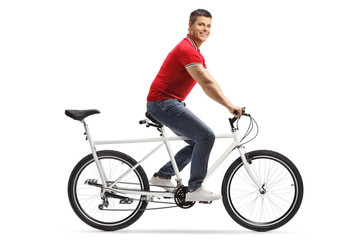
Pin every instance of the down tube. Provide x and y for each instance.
(221, 160)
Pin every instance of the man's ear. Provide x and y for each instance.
(190, 25)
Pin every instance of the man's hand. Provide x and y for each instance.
(236, 111)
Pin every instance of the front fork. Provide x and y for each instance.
(246, 163)
(248, 170)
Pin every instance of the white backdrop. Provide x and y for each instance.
(293, 64)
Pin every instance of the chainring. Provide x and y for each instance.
(179, 198)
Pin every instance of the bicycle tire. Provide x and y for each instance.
(84, 199)
(278, 205)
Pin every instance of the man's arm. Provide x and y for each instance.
(212, 88)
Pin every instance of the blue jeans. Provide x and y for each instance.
(183, 122)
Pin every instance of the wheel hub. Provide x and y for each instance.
(262, 190)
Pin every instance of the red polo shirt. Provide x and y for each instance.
(173, 80)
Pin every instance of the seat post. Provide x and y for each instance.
(172, 159)
(93, 151)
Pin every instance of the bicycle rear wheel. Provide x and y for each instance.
(85, 186)
(263, 211)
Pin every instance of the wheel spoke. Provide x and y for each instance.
(86, 198)
(268, 210)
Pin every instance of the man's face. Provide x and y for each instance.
(201, 29)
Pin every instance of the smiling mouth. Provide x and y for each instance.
(204, 34)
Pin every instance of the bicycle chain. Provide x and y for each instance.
(179, 198)
(143, 209)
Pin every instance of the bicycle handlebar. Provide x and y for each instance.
(143, 121)
(148, 124)
(232, 120)
(236, 112)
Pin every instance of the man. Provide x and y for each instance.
(182, 69)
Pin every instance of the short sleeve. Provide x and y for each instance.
(190, 57)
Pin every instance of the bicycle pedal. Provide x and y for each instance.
(205, 202)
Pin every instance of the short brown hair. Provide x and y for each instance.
(197, 13)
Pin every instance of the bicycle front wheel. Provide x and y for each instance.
(112, 212)
(263, 211)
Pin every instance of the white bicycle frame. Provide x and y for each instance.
(165, 140)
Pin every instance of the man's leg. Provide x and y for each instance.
(182, 158)
(178, 118)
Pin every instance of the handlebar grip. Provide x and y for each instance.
(142, 121)
(236, 112)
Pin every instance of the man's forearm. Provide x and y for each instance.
(213, 90)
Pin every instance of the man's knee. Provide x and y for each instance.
(209, 136)
(212, 136)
